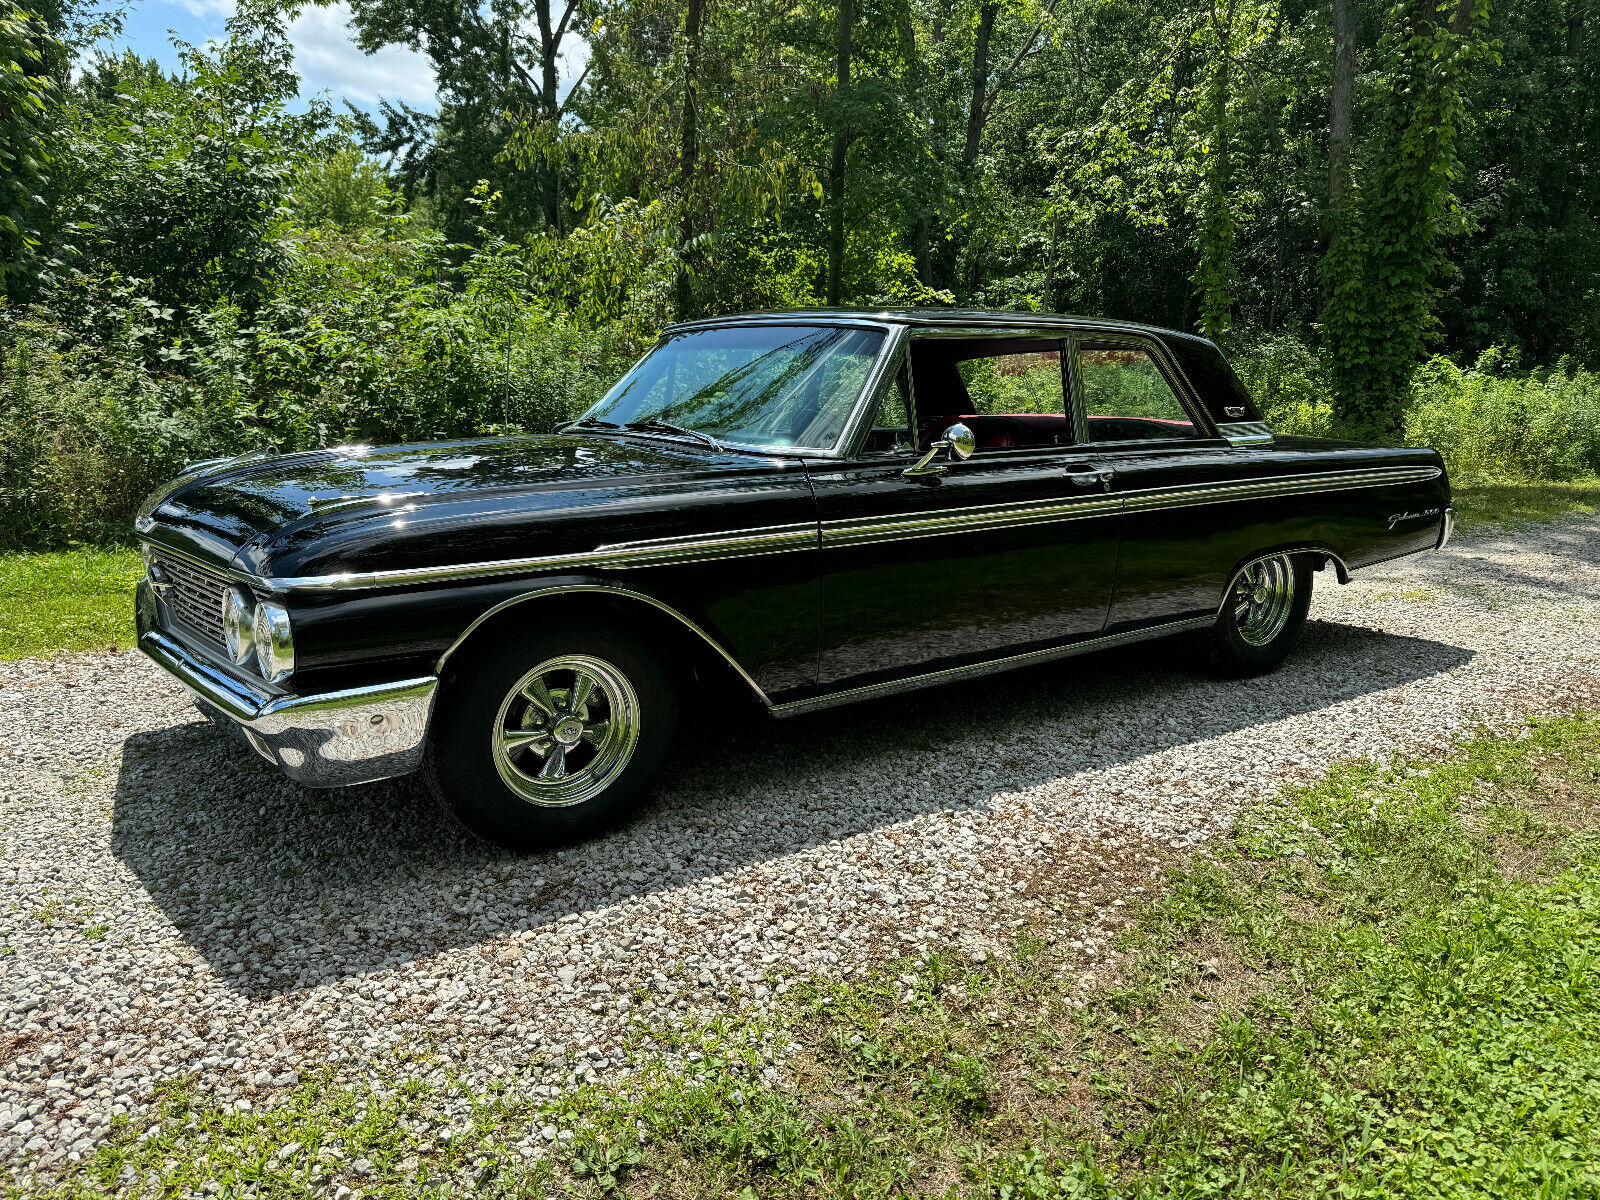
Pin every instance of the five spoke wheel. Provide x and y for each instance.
(1263, 598)
(565, 730)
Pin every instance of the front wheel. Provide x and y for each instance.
(1262, 615)
(551, 735)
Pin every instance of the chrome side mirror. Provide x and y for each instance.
(957, 439)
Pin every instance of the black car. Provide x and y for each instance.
(811, 507)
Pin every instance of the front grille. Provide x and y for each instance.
(195, 598)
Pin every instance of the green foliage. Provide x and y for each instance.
(378, 335)
(176, 183)
(1290, 383)
(31, 58)
(345, 190)
(1495, 421)
(1382, 272)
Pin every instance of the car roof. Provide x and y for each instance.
(929, 318)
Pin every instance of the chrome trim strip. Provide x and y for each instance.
(934, 523)
(1447, 526)
(776, 539)
(780, 539)
(331, 739)
(607, 589)
(988, 667)
(1181, 496)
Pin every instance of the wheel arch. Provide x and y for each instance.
(1319, 550)
(689, 648)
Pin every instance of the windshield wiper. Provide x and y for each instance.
(657, 426)
(588, 423)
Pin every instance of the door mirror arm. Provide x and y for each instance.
(958, 440)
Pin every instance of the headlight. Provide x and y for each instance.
(238, 624)
(274, 641)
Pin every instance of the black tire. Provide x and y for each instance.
(1253, 633)
(504, 796)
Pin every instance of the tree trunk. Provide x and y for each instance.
(1341, 112)
(688, 155)
(976, 109)
(1215, 274)
(547, 100)
(841, 150)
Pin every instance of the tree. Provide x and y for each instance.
(1382, 273)
(839, 161)
(498, 68)
(31, 60)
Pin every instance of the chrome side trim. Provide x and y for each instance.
(781, 539)
(934, 523)
(1447, 526)
(328, 740)
(775, 539)
(1278, 485)
(988, 667)
(771, 539)
(612, 590)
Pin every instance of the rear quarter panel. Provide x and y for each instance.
(1181, 548)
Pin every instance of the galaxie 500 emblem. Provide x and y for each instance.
(1396, 518)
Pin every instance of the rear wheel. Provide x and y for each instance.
(1262, 615)
(552, 735)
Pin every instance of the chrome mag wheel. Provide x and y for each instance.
(1263, 599)
(566, 730)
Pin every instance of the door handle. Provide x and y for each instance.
(1092, 478)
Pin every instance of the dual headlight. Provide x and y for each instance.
(259, 630)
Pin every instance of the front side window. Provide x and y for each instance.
(761, 385)
(1127, 398)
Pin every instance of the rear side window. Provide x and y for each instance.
(1127, 398)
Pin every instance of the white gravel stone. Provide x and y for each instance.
(174, 907)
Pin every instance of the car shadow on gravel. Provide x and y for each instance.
(281, 887)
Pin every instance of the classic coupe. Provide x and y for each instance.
(808, 508)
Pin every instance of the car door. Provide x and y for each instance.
(1144, 434)
(985, 558)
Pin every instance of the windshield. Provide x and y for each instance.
(762, 385)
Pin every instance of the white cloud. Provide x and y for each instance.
(328, 59)
(205, 9)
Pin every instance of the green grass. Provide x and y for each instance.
(64, 601)
(1384, 985)
(1483, 503)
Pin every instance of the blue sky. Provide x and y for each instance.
(327, 58)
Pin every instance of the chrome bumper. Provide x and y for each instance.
(1446, 527)
(327, 740)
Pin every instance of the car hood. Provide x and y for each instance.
(223, 512)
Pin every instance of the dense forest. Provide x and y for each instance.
(1385, 211)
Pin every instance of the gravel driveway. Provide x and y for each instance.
(172, 906)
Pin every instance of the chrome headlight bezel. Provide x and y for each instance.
(238, 625)
(274, 641)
